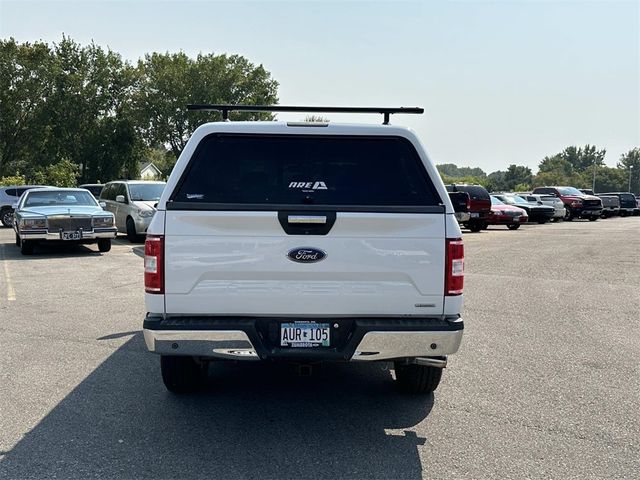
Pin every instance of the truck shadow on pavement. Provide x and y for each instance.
(252, 421)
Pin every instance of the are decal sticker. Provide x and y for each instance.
(308, 185)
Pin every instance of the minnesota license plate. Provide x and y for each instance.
(304, 334)
(71, 236)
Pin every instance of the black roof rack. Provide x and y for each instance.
(225, 109)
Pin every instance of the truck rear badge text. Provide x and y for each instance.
(309, 185)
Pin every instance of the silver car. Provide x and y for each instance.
(555, 202)
(8, 198)
(67, 215)
(133, 203)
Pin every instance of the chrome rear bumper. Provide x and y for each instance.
(389, 345)
(236, 344)
(233, 344)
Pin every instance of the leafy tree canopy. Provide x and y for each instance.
(66, 104)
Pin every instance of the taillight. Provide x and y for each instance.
(154, 264)
(454, 274)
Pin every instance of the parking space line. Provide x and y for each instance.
(11, 293)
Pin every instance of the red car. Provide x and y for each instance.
(503, 214)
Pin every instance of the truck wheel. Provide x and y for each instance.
(104, 244)
(132, 236)
(6, 217)
(475, 226)
(513, 226)
(17, 240)
(26, 247)
(414, 378)
(543, 221)
(568, 216)
(593, 218)
(181, 374)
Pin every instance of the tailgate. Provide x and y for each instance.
(237, 264)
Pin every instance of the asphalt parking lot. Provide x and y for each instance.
(546, 385)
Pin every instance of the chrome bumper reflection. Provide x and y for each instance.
(233, 344)
(388, 345)
(462, 216)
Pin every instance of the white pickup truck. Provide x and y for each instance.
(303, 242)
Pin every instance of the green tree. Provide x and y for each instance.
(573, 166)
(168, 82)
(26, 82)
(65, 102)
(62, 174)
(16, 179)
(630, 165)
(91, 116)
(583, 158)
(608, 179)
(515, 176)
(452, 170)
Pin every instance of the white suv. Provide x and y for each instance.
(303, 242)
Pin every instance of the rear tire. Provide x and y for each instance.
(543, 221)
(104, 244)
(132, 235)
(26, 247)
(6, 217)
(568, 216)
(593, 218)
(181, 374)
(475, 226)
(513, 226)
(17, 240)
(412, 378)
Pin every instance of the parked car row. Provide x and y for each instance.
(90, 214)
(542, 205)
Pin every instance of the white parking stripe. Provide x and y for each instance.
(11, 293)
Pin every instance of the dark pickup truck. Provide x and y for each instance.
(628, 205)
(577, 204)
(479, 205)
(610, 205)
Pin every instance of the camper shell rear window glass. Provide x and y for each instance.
(474, 191)
(301, 170)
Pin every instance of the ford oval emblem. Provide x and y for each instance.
(306, 255)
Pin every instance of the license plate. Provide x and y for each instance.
(71, 236)
(475, 215)
(304, 334)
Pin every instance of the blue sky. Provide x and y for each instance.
(502, 82)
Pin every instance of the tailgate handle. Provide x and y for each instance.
(307, 219)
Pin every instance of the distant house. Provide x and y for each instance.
(148, 171)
